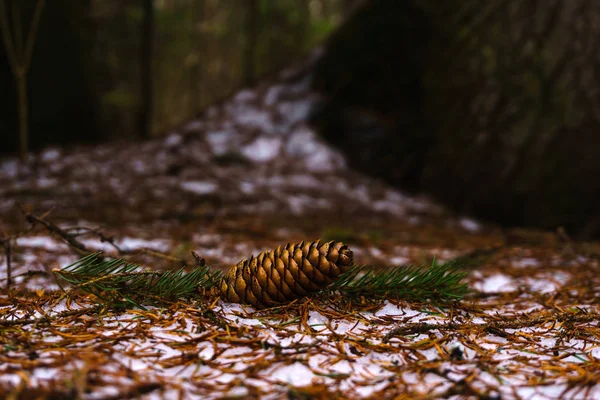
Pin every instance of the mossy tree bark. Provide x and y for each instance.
(492, 107)
(514, 103)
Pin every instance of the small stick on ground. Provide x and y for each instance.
(50, 318)
(54, 229)
(8, 251)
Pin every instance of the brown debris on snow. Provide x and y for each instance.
(245, 177)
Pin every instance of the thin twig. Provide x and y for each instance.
(6, 244)
(50, 318)
(54, 229)
(27, 274)
(8, 252)
(7, 38)
(33, 29)
(120, 251)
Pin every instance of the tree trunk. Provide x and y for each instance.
(21, 81)
(19, 55)
(252, 17)
(146, 85)
(196, 77)
(493, 107)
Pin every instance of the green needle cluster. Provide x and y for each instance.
(118, 282)
(439, 282)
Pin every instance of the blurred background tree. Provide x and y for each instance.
(18, 52)
(493, 107)
(136, 68)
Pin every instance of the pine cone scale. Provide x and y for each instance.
(289, 272)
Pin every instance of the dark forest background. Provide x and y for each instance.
(493, 107)
(102, 70)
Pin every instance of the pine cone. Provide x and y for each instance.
(275, 277)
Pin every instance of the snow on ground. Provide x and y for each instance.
(526, 331)
(211, 350)
(250, 354)
(231, 154)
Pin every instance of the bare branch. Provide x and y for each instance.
(6, 243)
(7, 38)
(52, 228)
(33, 28)
(18, 33)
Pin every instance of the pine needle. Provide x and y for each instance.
(439, 282)
(119, 283)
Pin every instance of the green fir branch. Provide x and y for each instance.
(439, 282)
(120, 283)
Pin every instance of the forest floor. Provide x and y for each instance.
(247, 176)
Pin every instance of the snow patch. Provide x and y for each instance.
(526, 262)
(220, 142)
(470, 225)
(39, 242)
(263, 149)
(131, 243)
(295, 374)
(50, 155)
(245, 96)
(273, 94)
(391, 203)
(200, 187)
(139, 166)
(295, 111)
(247, 187)
(254, 118)
(173, 140)
(45, 183)
(316, 156)
(399, 260)
(495, 283)
(10, 168)
(128, 243)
